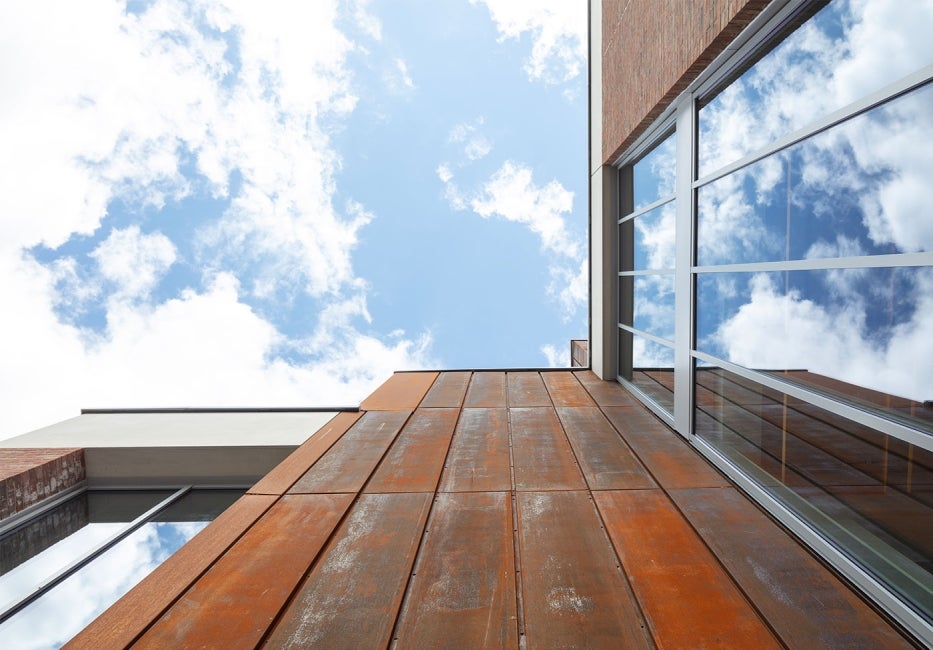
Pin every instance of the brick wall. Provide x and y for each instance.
(652, 50)
(29, 475)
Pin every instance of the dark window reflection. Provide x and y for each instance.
(870, 493)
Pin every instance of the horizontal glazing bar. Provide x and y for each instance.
(648, 208)
(646, 272)
(858, 415)
(650, 337)
(905, 85)
(865, 262)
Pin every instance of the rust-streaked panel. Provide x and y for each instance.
(479, 454)
(415, 461)
(448, 390)
(805, 604)
(527, 389)
(352, 597)
(487, 390)
(284, 475)
(573, 592)
(688, 600)
(667, 456)
(401, 392)
(541, 454)
(351, 460)
(463, 593)
(234, 603)
(606, 393)
(565, 390)
(606, 461)
(126, 619)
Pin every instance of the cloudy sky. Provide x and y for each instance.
(237, 203)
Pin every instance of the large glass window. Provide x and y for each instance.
(807, 336)
(646, 277)
(64, 567)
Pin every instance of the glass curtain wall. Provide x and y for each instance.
(811, 319)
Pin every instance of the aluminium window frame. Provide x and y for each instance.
(682, 116)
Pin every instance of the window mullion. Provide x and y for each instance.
(683, 282)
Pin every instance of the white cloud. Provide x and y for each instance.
(778, 330)
(511, 193)
(403, 73)
(557, 29)
(475, 144)
(555, 358)
(148, 108)
(133, 261)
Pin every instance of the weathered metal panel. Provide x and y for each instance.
(352, 597)
(541, 454)
(416, 458)
(403, 391)
(669, 458)
(605, 393)
(607, 462)
(349, 463)
(487, 390)
(573, 592)
(479, 454)
(527, 389)
(448, 390)
(286, 473)
(463, 592)
(127, 618)
(235, 602)
(687, 598)
(565, 390)
(803, 601)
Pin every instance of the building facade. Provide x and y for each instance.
(756, 408)
(762, 243)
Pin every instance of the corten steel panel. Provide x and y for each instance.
(605, 393)
(235, 602)
(463, 593)
(352, 597)
(416, 458)
(672, 462)
(652, 51)
(541, 454)
(527, 389)
(687, 598)
(606, 461)
(487, 390)
(127, 618)
(479, 454)
(803, 602)
(565, 390)
(350, 461)
(403, 391)
(573, 592)
(284, 475)
(448, 390)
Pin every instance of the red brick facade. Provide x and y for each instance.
(29, 475)
(652, 50)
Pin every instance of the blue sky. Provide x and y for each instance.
(217, 203)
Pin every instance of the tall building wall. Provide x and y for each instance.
(652, 50)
